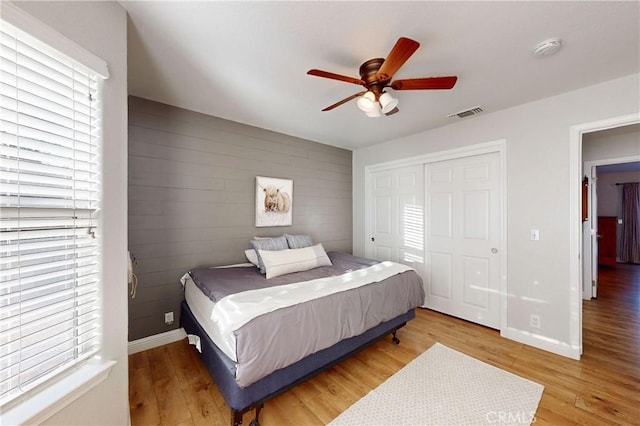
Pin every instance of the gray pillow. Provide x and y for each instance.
(271, 244)
(298, 241)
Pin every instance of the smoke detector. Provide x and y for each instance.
(547, 47)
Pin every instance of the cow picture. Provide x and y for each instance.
(274, 201)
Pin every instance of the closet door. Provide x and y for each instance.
(396, 226)
(463, 235)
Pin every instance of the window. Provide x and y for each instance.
(49, 199)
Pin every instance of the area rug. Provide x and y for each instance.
(445, 387)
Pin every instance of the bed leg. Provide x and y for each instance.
(236, 418)
(395, 339)
(256, 420)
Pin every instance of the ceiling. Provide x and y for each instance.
(633, 166)
(247, 61)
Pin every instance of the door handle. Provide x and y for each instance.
(494, 250)
(373, 239)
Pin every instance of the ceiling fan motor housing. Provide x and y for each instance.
(368, 72)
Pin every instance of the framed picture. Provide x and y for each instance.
(274, 202)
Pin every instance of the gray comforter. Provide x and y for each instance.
(280, 338)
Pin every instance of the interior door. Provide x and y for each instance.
(463, 238)
(397, 219)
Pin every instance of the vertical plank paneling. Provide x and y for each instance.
(192, 198)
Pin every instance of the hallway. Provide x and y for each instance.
(611, 328)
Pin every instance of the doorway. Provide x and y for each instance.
(580, 252)
(605, 237)
(611, 158)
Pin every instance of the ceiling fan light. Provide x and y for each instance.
(375, 111)
(388, 102)
(367, 101)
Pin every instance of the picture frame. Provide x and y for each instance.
(274, 202)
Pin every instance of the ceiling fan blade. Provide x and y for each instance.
(326, 74)
(345, 100)
(393, 111)
(402, 50)
(426, 83)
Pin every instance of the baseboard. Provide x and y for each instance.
(542, 342)
(156, 340)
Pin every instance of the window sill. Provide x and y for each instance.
(38, 405)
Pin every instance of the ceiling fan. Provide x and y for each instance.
(376, 75)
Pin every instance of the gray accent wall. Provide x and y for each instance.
(192, 199)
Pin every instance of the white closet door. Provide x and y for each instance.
(463, 222)
(396, 230)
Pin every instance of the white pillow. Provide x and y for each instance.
(252, 256)
(287, 261)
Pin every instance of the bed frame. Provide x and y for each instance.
(241, 400)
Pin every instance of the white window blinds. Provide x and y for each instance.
(49, 200)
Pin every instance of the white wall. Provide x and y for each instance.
(537, 136)
(610, 194)
(101, 27)
(613, 143)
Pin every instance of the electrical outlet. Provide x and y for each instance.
(534, 321)
(168, 317)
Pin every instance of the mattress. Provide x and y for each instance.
(278, 337)
(202, 309)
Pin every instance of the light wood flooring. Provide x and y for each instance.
(169, 385)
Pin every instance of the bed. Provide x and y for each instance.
(260, 336)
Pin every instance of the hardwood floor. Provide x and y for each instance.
(169, 385)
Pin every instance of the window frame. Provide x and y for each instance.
(44, 400)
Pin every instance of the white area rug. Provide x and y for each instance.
(446, 387)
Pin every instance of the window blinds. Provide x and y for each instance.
(49, 200)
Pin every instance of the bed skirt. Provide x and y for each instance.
(240, 399)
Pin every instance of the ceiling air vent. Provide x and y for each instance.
(466, 112)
